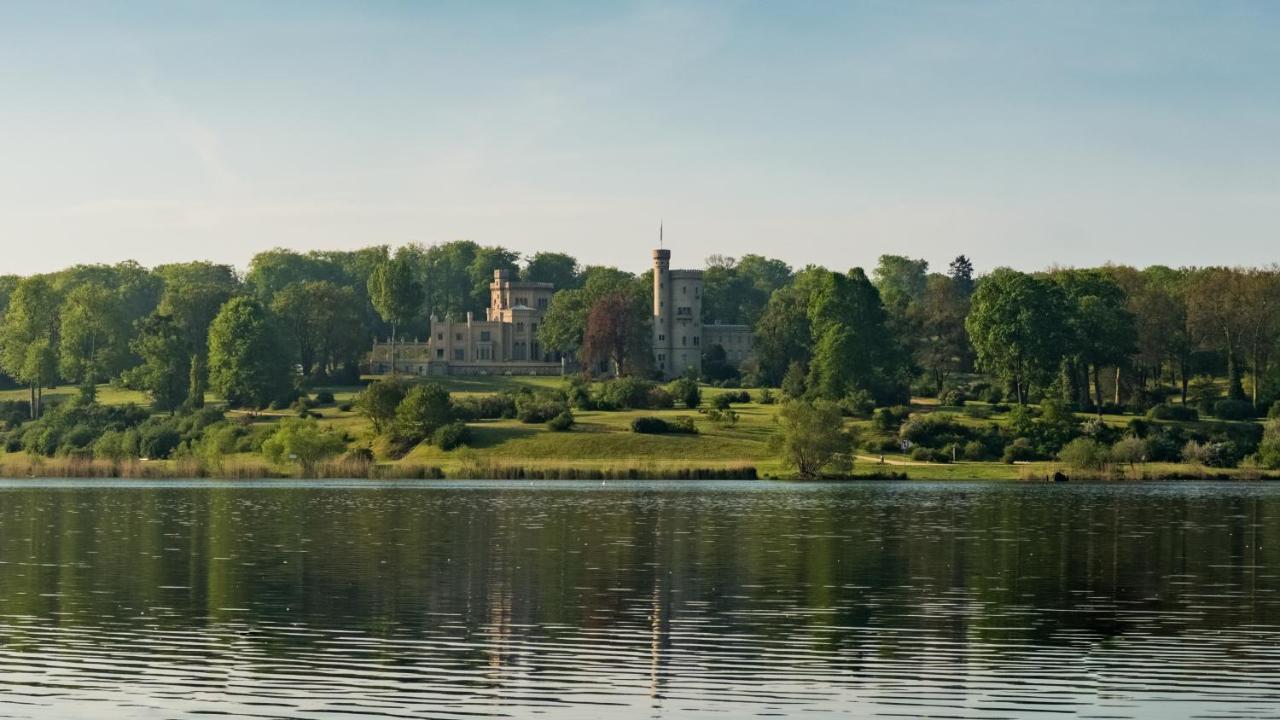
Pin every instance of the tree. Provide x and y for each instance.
(304, 441)
(193, 294)
(943, 346)
(565, 322)
(901, 282)
(162, 374)
(423, 410)
(29, 336)
(95, 335)
(1215, 313)
(379, 401)
(782, 334)
(272, 271)
(961, 273)
(686, 390)
(397, 295)
(853, 346)
(813, 440)
(321, 322)
(246, 365)
(1103, 332)
(618, 331)
(1016, 325)
(559, 269)
(794, 383)
(1260, 310)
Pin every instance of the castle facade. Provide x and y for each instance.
(506, 341)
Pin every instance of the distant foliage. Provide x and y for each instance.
(659, 426)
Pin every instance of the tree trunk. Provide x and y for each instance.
(34, 410)
(393, 349)
(1117, 401)
(1097, 388)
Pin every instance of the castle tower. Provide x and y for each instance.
(677, 317)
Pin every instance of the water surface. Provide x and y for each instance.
(637, 600)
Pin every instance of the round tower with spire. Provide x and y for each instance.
(677, 317)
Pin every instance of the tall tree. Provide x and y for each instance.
(29, 336)
(853, 347)
(163, 371)
(95, 335)
(961, 273)
(397, 294)
(1015, 324)
(618, 331)
(943, 346)
(1215, 313)
(246, 365)
(559, 269)
(321, 322)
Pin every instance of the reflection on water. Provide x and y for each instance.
(639, 600)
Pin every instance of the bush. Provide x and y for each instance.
(1269, 449)
(1180, 413)
(14, 412)
(721, 401)
(538, 409)
(157, 440)
(1129, 451)
(723, 418)
(1020, 450)
(813, 440)
(304, 442)
(857, 403)
(1228, 409)
(626, 393)
(934, 430)
(686, 390)
(485, 407)
(1274, 412)
(768, 398)
(660, 399)
(116, 445)
(324, 397)
(1085, 454)
(658, 426)
(1224, 454)
(346, 407)
(424, 408)
(974, 450)
(452, 435)
(952, 397)
(562, 422)
(992, 394)
(924, 454)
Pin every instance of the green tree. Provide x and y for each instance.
(320, 321)
(397, 294)
(618, 331)
(813, 440)
(378, 402)
(424, 409)
(559, 269)
(794, 383)
(686, 390)
(1016, 325)
(1103, 333)
(303, 441)
(1215, 313)
(162, 373)
(853, 348)
(246, 365)
(943, 346)
(29, 336)
(95, 335)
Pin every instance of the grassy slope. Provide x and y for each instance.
(604, 440)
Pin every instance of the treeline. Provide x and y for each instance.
(1110, 337)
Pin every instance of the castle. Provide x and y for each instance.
(506, 341)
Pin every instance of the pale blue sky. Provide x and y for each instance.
(1019, 133)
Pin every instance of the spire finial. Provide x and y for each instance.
(660, 233)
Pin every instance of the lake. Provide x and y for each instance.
(636, 600)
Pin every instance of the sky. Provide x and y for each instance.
(1021, 134)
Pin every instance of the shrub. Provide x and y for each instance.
(452, 435)
(485, 407)
(658, 426)
(116, 445)
(857, 403)
(992, 394)
(346, 407)
(1228, 409)
(884, 420)
(981, 412)
(660, 399)
(1181, 413)
(933, 430)
(768, 398)
(423, 409)
(1020, 450)
(1129, 451)
(324, 397)
(813, 440)
(1274, 412)
(721, 401)
(157, 440)
(538, 408)
(1085, 454)
(561, 423)
(14, 412)
(882, 445)
(974, 450)
(924, 454)
(1222, 454)
(1269, 449)
(303, 441)
(626, 393)
(723, 418)
(686, 390)
(379, 401)
(953, 397)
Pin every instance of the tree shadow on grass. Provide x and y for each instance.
(491, 436)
